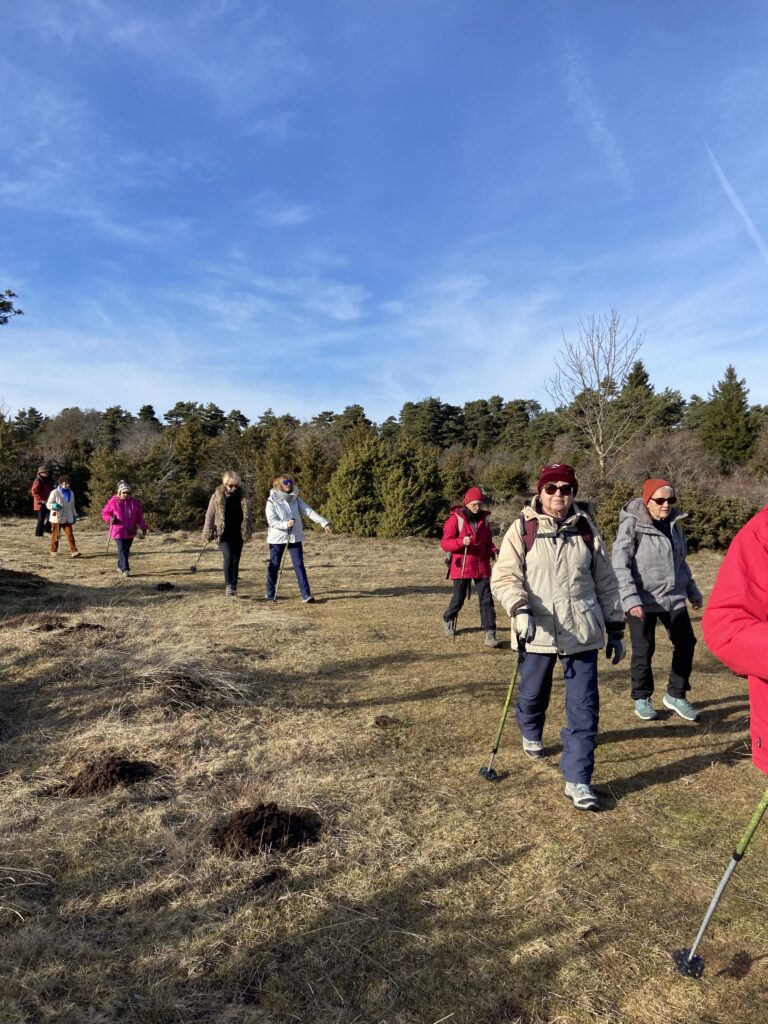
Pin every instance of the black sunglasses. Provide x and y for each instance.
(664, 501)
(565, 489)
(287, 481)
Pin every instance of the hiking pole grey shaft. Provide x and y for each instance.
(688, 962)
(456, 616)
(193, 568)
(282, 563)
(489, 773)
(106, 552)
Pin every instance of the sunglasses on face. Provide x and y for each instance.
(564, 489)
(287, 482)
(664, 501)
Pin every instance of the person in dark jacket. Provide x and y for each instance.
(469, 542)
(229, 519)
(649, 559)
(40, 491)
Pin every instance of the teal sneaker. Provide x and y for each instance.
(681, 707)
(644, 709)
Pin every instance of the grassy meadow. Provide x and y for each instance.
(430, 895)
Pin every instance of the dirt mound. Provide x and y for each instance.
(108, 771)
(88, 626)
(386, 721)
(162, 587)
(265, 827)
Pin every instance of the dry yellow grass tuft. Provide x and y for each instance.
(429, 895)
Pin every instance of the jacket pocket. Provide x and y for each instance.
(589, 625)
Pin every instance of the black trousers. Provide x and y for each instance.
(231, 549)
(485, 600)
(643, 635)
(42, 522)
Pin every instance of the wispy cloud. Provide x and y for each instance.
(230, 49)
(738, 206)
(271, 211)
(583, 98)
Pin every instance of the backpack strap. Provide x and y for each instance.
(529, 530)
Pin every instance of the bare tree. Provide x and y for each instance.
(593, 369)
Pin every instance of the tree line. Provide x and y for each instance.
(399, 477)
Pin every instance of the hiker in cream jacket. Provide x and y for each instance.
(554, 578)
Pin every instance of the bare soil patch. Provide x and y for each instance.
(266, 827)
(38, 622)
(107, 772)
(386, 721)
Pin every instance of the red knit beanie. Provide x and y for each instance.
(473, 494)
(651, 486)
(557, 471)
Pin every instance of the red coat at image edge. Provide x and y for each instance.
(735, 623)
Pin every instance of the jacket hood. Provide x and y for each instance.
(637, 510)
(276, 495)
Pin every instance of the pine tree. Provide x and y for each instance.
(728, 427)
(354, 493)
(411, 492)
(314, 470)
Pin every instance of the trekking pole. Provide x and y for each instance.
(280, 569)
(193, 568)
(689, 964)
(489, 773)
(106, 552)
(456, 616)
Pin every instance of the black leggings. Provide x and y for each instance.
(231, 548)
(484, 598)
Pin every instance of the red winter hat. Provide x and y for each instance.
(651, 486)
(557, 471)
(473, 494)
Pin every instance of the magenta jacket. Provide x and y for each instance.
(474, 561)
(735, 623)
(129, 517)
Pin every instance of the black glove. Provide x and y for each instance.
(614, 648)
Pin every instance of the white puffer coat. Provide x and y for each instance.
(280, 508)
(572, 592)
(66, 512)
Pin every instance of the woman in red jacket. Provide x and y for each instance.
(735, 624)
(468, 539)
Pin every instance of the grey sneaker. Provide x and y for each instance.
(533, 748)
(681, 707)
(449, 627)
(308, 600)
(491, 640)
(644, 709)
(582, 795)
(229, 591)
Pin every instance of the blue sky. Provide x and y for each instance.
(303, 205)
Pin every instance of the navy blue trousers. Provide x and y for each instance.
(297, 558)
(582, 707)
(123, 546)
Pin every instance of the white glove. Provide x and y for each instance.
(524, 625)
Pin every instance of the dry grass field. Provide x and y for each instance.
(423, 894)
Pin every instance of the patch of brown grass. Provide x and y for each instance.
(433, 896)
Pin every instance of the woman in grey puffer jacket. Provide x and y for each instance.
(286, 533)
(649, 559)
